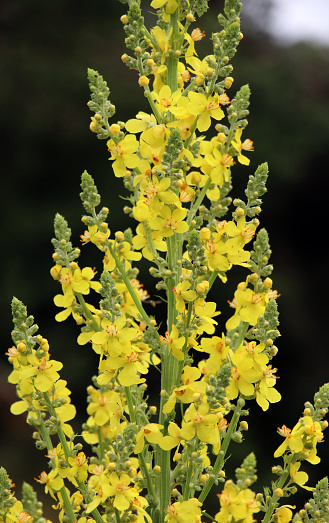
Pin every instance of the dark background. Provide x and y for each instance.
(46, 145)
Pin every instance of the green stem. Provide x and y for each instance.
(280, 484)
(221, 456)
(198, 201)
(145, 471)
(68, 454)
(212, 279)
(241, 337)
(129, 286)
(117, 516)
(101, 443)
(172, 60)
(152, 104)
(130, 405)
(189, 139)
(186, 493)
(150, 241)
(46, 438)
(86, 311)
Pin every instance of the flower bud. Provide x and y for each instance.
(124, 19)
(190, 18)
(268, 283)
(200, 79)
(119, 236)
(143, 81)
(221, 137)
(21, 347)
(114, 129)
(195, 178)
(205, 234)
(228, 82)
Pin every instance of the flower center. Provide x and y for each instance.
(111, 330)
(171, 224)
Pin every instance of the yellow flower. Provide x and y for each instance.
(293, 440)
(205, 108)
(123, 154)
(115, 335)
(199, 422)
(151, 433)
(52, 482)
(170, 222)
(165, 99)
(185, 392)
(198, 67)
(284, 514)
(44, 372)
(239, 233)
(123, 252)
(173, 439)
(104, 407)
(184, 512)
(16, 514)
(123, 493)
(183, 293)
(206, 311)
(265, 391)
(215, 256)
(298, 477)
(174, 342)
(142, 122)
(246, 145)
(158, 192)
(218, 351)
(79, 468)
(249, 306)
(140, 241)
(241, 383)
(171, 5)
(236, 505)
(130, 366)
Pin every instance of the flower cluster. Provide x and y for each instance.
(157, 463)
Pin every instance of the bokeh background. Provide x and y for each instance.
(46, 145)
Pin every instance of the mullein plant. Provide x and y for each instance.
(160, 464)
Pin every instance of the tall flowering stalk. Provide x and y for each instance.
(160, 463)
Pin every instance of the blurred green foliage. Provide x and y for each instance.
(47, 144)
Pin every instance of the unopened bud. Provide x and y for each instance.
(268, 283)
(195, 178)
(119, 236)
(114, 129)
(228, 82)
(205, 234)
(143, 81)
